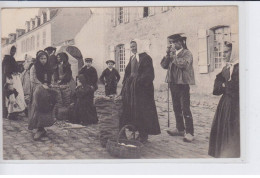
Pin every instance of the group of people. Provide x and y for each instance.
(49, 76)
(46, 87)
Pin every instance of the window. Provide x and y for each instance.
(121, 15)
(38, 21)
(221, 35)
(44, 38)
(120, 57)
(33, 24)
(44, 17)
(147, 11)
(38, 40)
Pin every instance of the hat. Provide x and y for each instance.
(50, 48)
(88, 59)
(178, 36)
(110, 61)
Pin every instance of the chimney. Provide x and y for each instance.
(12, 37)
(20, 32)
(4, 41)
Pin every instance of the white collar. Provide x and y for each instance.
(110, 69)
(136, 56)
(178, 51)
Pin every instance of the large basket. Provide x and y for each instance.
(124, 148)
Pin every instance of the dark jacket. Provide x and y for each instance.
(180, 68)
(67, 74)
(90, 76)
(138, 97)
(110, 77)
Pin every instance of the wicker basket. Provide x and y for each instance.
(124, 148)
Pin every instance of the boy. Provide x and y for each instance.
(110, 77)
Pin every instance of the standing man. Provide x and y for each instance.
(53, 62)
(138, 94)
(178, 61)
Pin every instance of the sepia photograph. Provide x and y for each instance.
(130, 82)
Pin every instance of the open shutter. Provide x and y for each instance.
(151, 11)
(203, 57)
(140, 11)
(234, 36)
(126, 14)
(112, 52)
(127, 53)
(114, 16)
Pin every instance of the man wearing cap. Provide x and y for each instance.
(110, 77)
(179, 63)
(52, 61)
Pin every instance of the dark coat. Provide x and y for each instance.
(138, 97)
(67, 74)
(9, 66)
(110, 80)
(225, 131)
(90, 76)
(180, 68)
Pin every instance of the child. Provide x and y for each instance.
(110, 77)
(14, 102)
(84, 110)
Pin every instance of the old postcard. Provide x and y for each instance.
(155, 82)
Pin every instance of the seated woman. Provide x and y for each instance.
(43, 98)
(84, 111)
(64, 76)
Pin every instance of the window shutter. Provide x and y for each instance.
(234, 33)
(151, 10)
(140, 11)
(126, 14)
(112, 52)
(127, 53)
(203, 57)
(114, 17)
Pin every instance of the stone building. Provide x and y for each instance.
(51, 27)
(206, 29)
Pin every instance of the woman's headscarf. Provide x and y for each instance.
(64, 57)
(142, 45)
(82, 80)
(234, 59)
(42, 70)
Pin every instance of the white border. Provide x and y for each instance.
(152, 166)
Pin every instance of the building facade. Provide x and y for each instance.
(48, 28)
(206, 29)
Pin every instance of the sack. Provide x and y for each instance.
(45, 99)
(109, 114)
(63, 113)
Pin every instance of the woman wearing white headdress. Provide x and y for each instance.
(138, 92)
(225, 132)
(25, 77)
(10, 75)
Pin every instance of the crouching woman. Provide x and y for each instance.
(43, 97)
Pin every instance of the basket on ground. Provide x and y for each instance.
(124, 148)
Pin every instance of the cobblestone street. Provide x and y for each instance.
(83, 143)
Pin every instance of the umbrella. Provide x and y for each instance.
(75, 58)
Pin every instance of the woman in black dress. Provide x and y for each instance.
(225, 132)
